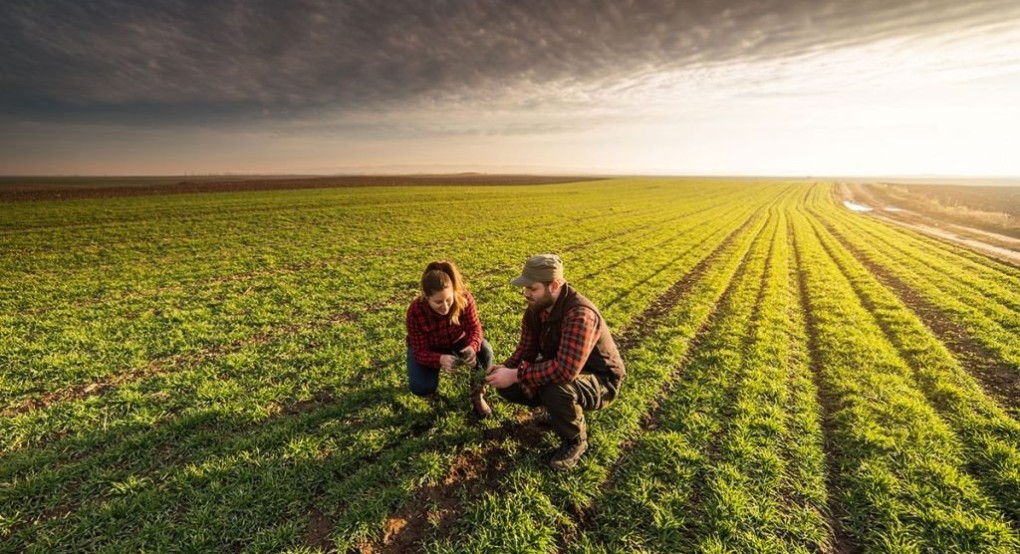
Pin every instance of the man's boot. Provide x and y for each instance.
(478, 402)
(569, 453)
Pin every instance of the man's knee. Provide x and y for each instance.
(565, 414)
(515, 394)
(557, 394)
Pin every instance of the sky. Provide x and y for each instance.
(684, 87)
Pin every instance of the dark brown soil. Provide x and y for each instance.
(319, 526)
(13, 190)
(436, 508)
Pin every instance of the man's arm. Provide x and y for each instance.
(505, 374)
(578, 337)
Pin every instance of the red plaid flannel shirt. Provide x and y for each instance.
(577, 339)
(431, 335)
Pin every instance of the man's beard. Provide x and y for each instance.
(542, 303)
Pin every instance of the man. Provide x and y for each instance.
(566, 359)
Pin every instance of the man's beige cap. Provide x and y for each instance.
(540, 269)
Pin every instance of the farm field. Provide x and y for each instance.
(226, 372)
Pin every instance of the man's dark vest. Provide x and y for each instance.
(604, 359)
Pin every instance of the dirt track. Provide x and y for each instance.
(998, 252)
(15, 191)
(967, 236)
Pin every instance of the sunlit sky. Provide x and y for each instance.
(707, 87)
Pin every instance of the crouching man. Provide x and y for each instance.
(566, 359)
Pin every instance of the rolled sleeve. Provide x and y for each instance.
(577, 338)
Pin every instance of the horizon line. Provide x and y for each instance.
(554, 173)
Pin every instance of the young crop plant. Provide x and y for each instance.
(991, 438)
(647, 356)
(612, 431)
(981, 301)
(901, 472)
(226, 372)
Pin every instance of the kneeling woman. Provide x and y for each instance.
(444, 332)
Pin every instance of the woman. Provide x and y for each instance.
(444, 332)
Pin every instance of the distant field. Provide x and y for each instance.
(225, 372)
(53, 188)
(989, 199)
(990, 208)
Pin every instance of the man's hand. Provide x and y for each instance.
(501, 376)
(469, 356)
(448, 362)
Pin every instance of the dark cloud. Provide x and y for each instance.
(219, 61)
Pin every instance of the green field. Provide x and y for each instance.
(226, 372)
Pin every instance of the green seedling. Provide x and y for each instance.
(479, 371)
(192, 368)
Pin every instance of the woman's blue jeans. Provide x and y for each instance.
(424, 380)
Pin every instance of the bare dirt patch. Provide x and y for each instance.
(319, 527)
(13, 190)
(436, 508)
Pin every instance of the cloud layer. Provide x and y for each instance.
(194, 60)
(679, 86)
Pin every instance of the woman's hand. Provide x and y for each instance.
(469, 356)
(448, 363)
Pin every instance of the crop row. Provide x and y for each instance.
(982, 300)
(901, 473)
(727, 465)
(179, 363)
(139, 466)
(85, 344)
